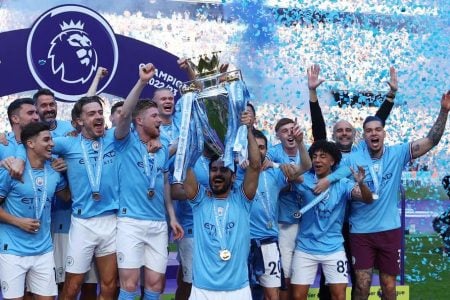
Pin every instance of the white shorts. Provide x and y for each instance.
(60, 241)
(89, 237)
(304, 267)
(201, 294)
(185, 254)
(287, 234)
(142, 243)
(37, 272)
(272, 266)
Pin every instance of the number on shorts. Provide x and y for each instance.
(342, 266)
(275, 267)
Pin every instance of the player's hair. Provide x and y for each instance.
(31, 130)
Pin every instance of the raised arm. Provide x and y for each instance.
(305, 161)
(250, 183)
(292, 172)
(190, 184)
(124, 118)
(101, 73)
(319, 129)
(386, 107)
(422, 146)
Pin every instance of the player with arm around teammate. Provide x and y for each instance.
(319, 240)
(26, 254)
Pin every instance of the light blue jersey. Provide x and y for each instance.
(169, 132)
(227, 218)
(83, 203)
(288, 202)
(14, 148)
(62, 128)
(320, 231)
(383, 213)
(264, 212)
(136, 164)
(183, 208)
(61, 210)
(20, 202)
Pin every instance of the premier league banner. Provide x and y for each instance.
(65, 46)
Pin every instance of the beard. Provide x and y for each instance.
(225, 187)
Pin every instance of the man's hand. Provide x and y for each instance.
(146, 72)
(153, 145)
(291, 171)
(183, 63)
(313, 77)
(360, 175)
(322, 185)
(445, 101)
(59, 165)
(101, 73)
(267, 163)
(3, 139)
(244, 164)
(28, 225)
(393, 82)
(72, 133)
(15, 167)
(298, 133)
(247, 119)
(177, 230)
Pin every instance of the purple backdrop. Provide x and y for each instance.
(65, 46)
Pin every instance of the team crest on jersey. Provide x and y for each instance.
(65, 47)
(95, 145)
(39, 181)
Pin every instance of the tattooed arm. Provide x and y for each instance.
(422, 146)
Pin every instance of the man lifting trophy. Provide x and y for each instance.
(208, 114)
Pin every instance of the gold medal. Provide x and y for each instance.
(375, 196)
(225, 254)
(96, 196)
(150, 194)
(269, 225)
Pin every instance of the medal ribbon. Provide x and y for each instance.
(38, 204)
(94, 182)
(150, 169)
(220, 226)
(377, 177)
(265, 200)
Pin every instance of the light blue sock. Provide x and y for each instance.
(151, 295)
(125, 295)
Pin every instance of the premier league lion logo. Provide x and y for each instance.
(73, 45)
(65, 47)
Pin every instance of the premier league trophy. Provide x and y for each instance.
(208, 115)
